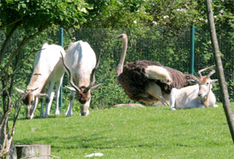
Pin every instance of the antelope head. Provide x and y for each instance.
(30, 99)
(83, 93)
(205, 83)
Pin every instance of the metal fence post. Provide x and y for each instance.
(61, 87)
(191, 71)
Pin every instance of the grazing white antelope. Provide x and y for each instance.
(148, 81)
(80, 63)
(48, 70)
(199, 95)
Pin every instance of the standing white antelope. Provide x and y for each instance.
(80, 63)
(48, 70)
(199, 95)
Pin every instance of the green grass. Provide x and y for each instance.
(132, 133)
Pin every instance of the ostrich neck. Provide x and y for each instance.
(121, 62)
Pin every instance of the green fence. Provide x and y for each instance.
(170, 50)
(155, 44)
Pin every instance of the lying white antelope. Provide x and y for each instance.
(80, 63)
(199, 95)
(48, 70)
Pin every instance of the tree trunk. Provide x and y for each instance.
(6, 144)
(219, 67)
(34, 151)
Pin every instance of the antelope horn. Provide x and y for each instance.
(70, 75)
(204, 69)
(20, 90)
(211, 73)
(93, 74)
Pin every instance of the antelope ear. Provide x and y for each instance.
(213, 81)
(20, 91)
(95, 86)
(71, 88)
(192, 81)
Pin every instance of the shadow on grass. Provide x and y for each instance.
(96, 141)
(51, 116)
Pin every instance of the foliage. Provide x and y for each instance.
(32, 14)
(26, 19)
(117, 14)
(158, 31)
(171, 50)
(151, 132)
(147, 43)
(177, 14)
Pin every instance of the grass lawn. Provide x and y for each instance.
(133, 133)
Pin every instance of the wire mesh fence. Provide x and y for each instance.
(154, 44)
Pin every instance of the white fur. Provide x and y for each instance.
(187, 97)
(81, 60)
(50, 70)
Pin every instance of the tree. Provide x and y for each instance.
(28, 18)
(219, 65)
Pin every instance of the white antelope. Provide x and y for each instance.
(48, 70)
(199, 95)
(80, 63)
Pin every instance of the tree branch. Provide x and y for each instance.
(5, 148)
(19, 50)
(4, 45)
(16, 21)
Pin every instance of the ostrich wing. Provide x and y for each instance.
(158, 73)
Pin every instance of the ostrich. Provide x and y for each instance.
(148, 81)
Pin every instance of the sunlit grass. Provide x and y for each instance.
(152, 132)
